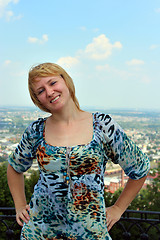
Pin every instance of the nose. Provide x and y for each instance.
(50, 92)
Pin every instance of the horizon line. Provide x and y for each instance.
(88, 108)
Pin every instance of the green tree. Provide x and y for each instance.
(7, 201)
(153, 190)
(5, 195)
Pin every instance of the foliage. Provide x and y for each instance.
(6, 198)
(5, 195)
(153, 191)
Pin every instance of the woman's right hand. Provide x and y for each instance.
(22, 214)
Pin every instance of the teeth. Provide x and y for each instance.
(54, 99)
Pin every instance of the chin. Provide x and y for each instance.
(56, 109)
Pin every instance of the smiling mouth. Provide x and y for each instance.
(53, 100)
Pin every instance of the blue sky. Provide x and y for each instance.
(111, 49)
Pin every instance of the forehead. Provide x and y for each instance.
(45, 80)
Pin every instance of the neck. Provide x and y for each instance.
(66, 115)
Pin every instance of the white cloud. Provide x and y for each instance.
(3, 4)
(102, 67)
(44, 38)
(83, 28)
(157, 10)
(100, 48)
(21, 73)
(95, 29)
(135, 62)
(67, 62)
(117, 73)
(146, 79)
(7, 13)
(154, 46)
(37, 40)
(7, 62)
(32, 39)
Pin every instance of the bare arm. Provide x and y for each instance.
(126, 197)
(16, 185)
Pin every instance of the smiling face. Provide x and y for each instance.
(47, 70)
(52, 92)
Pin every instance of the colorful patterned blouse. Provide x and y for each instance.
(68, 201)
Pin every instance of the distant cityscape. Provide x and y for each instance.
(143, 127)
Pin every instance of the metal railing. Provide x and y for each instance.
(133, 225)
(138, 225)
(9, 228)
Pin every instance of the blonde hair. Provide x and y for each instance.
(45, 70)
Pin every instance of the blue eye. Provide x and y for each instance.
(40, 91)
(52, 83)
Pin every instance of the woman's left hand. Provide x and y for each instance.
(113, 214)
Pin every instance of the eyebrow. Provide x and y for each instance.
(47, 83)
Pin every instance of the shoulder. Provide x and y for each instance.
(103, 118)
(107, 125)
(35, 128)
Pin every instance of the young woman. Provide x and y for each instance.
(72, 148)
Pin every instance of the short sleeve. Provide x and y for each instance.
(22, 158)
(122, 150)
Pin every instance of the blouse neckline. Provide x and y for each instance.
(70, 147)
